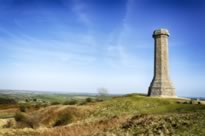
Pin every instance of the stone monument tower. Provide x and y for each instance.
(161, 84)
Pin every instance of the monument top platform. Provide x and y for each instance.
(161, 31)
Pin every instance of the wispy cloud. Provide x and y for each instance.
(80, 8)
(27, 49)
(118, 52)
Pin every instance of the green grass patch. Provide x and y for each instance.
(138, 104)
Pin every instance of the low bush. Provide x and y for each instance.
(185, 102)
(71, 102)
(55, 103)
(27, 121)
(19, 116)
(88, 100)
(63, 119)
(83, 103)
(23, 108)
(32, 121)
(99, 100)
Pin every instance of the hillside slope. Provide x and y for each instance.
(126, 115)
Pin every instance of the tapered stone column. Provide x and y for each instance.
(161, 84)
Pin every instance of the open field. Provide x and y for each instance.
(117, 116)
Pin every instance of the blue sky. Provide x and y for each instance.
(82, 45)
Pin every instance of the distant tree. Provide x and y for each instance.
(103, 93)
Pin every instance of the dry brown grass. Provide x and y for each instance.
(53, 112)
(19, 132)
(12, 110)
(47, 117)
(97, 128)
(5, 113)
(115, 117)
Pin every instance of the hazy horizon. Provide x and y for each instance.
(83, 45)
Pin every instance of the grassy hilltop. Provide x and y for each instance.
(117, 116)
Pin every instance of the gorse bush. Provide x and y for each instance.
(19, 116)
(55, 103)
(71, 102)
(22, 108)
(28, 121)
(63, 119)
(88, 100)
(83, 103)
(99, 100)
(32, 121)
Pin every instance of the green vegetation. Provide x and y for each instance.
(13, 97)
(70, 102)
(88, 100)
(135, 104)
(5, 100)
(63, 119)
(132, 114)
(55, 103)
(19, 116)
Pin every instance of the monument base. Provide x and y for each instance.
(162, 92)
(162, 89)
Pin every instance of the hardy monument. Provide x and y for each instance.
(161, 84)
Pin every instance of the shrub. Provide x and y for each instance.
(45, 105)
(19, 116)
(55, 103)
(71, 102)
(88, 100)
(178, 102)
(185, 102)
(32, 121)
(29, 121)
(99, 100)
(38, 106)
(63, 119)
(83, 103)
(22, 108)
